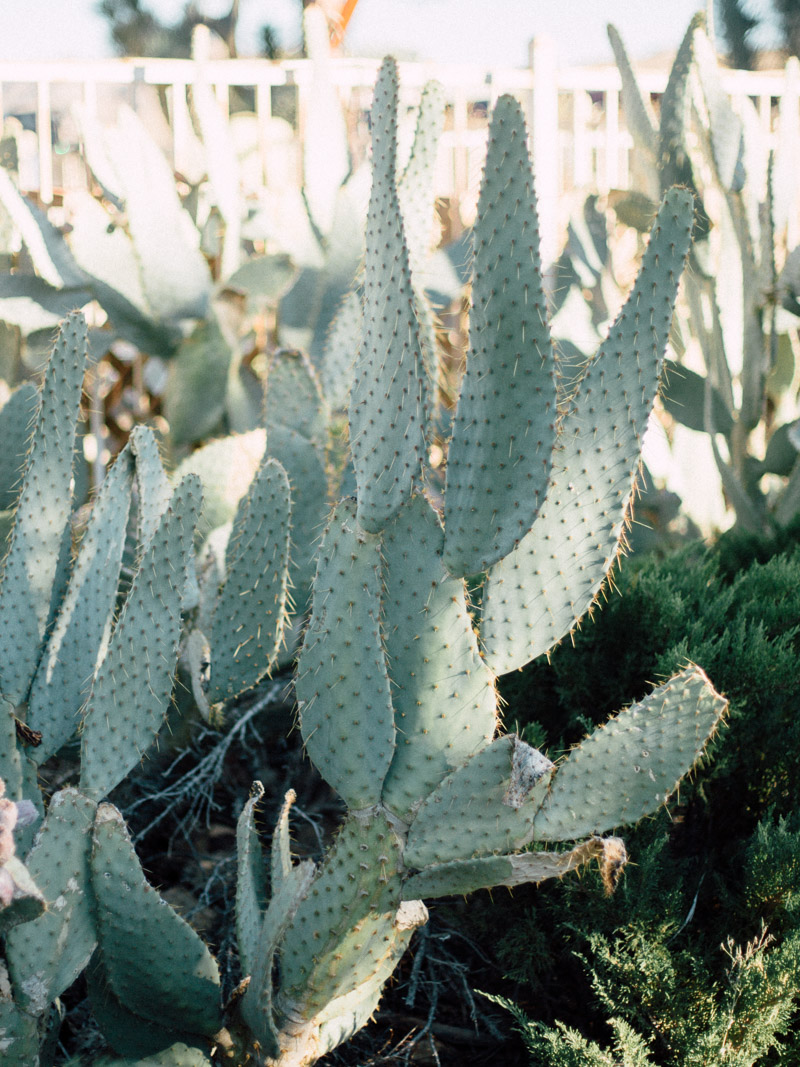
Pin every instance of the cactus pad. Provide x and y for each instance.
(16, 425)
(486, 806)
(344, 928)
(129, 1034)
(505, 425)
(342, 684)
(443, 695)
(250, 613)
(133, 684)
(386, 401)
(156, 964)
(251, 881)
(415, 189)
(37, 551)
(301, 460)
(449, 879)
(627, 768)
(540, 590)
(294, 395)
(83, 624)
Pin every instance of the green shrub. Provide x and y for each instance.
(695, 959)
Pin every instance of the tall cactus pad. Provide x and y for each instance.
(156, 964)
(133, 684)
(303, 463)
(627, 768)
(443, 694)
(386, 402)
(541, 589)
(341, 350)
(342, 1017)
(128, 1033)
(151, 481)
(37, 550)
(83, 625)
(251, 880)
(47, 955)
(486, 806)
(415, 188)
(342, 684)
(249, 617)
(637, 110)
(499, 458)
(289, 885)
(676, 105)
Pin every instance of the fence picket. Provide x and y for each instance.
(571, 149)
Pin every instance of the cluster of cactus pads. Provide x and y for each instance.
(396, 674)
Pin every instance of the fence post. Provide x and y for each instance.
(611, 169)
(44, 121)
(544, 115)
(181, 125)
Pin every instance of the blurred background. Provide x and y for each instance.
(440, 30)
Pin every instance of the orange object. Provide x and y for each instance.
(338, 31)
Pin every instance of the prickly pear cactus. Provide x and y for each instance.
(737, 294)
(78, 661)
(395, 681)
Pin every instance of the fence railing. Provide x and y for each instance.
(579, 136)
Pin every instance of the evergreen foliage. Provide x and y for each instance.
(695, 960)
(737, 24)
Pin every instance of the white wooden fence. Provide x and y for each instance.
(578, 130)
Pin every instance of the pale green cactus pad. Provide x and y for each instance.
(83, 625)
(131, 692)
(445, 706)
(249, 617)
(37, 557)
(462, 877)
(498, 464)
(627, 768)
(294, 395)
(329, 949)
(541, 589)
(157, 966)
(347, 719)
(387, 417)
(488, 805)
(251, 880)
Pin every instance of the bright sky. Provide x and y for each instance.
(494, 33)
